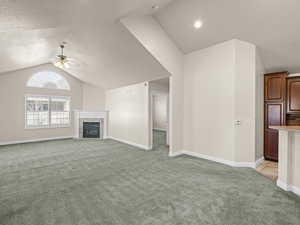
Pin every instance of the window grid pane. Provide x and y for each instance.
(45, 112)
(37, 111)
(49, 80)
(60, 111)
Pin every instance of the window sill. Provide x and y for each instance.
(43, 128)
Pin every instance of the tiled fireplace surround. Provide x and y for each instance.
(81, 116)
(82, 120)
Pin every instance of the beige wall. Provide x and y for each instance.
(12, 109)
(259, 107)
(159, 107)
(295, 164)
(220, 85)
(160, 95)
(244, 101)
(93, 98)
(129, 114)
(209, 101)
(219, 88)
(151, 35)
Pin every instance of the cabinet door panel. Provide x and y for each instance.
(274, 87)
(271, 144)
(293, 101)
(274, 116)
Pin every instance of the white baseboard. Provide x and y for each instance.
(287, 187)
(259, 161)
(35, 140)
(244, 164)
(219, 160)
(175, 154)
(202, 156)
(296, 190)
(283, 185)
(131, 143)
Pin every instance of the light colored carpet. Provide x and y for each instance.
(108, 183)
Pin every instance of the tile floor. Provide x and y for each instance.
(268, 169)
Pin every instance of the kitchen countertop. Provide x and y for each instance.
(287, 128)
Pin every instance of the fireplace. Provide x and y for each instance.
(90, 124)
(91, 129)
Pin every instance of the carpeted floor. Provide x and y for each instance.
(92, 182)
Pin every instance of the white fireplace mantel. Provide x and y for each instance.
(79, 114)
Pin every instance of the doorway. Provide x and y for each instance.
(159, 119)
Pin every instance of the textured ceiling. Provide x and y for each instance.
(106, 54)
(272, 25)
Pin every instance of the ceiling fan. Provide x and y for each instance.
(62, 61)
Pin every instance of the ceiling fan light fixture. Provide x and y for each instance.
(62, 64)
(58, 64)
(62, 61)
(67, 66)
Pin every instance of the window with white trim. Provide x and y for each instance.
(47, 111)
(49, 80)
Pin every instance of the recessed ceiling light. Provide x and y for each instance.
(198, 24)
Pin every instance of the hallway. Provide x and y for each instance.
(160, 140)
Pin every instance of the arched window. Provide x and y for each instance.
(48, 79)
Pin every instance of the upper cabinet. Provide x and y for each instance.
(293, 95)
(275, 86)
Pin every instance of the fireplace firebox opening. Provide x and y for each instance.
(91, 129)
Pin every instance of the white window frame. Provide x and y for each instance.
(49, 126)
(44, 78)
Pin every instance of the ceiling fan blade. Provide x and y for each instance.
(65, 62)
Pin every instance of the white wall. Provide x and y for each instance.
(209, 101)
(12, 109)
(220, 85)
(159, 107)
(244, 101)
(151, 35)
(219, 88)
(295, 164)
(259, 107)
(93, 98)
(160, 95)
(129, 114)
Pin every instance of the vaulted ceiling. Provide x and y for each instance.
(272, 25)
(106, 54)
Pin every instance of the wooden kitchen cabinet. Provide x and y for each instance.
(293, 95)
(275, 85)
(275, 111)
(274, 116)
